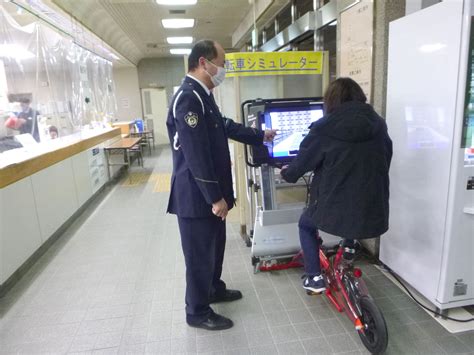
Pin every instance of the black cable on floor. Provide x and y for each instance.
(421, 304)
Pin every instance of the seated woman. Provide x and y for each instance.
(349, 150)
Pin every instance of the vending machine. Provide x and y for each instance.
(430, 117)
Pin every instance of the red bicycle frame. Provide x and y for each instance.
(336, 291)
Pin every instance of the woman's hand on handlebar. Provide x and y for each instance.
(282, 171)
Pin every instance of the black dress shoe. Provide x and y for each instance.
(214, 322)
(227, 296)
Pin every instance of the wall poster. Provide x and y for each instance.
(357, 30)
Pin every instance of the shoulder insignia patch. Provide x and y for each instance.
(191, 119)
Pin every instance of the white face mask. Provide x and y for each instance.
(219, 77)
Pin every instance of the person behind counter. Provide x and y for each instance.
(53, 132)
(26, 120)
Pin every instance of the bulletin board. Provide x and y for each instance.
(357, 31)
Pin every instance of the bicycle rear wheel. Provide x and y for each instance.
(375, 335)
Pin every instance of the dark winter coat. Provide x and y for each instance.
(349, 151)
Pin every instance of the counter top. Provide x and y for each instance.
(125, 143)
(20, 163)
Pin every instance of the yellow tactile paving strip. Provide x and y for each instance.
(163, 183)
(137, 178)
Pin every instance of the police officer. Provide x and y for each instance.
(201, 185)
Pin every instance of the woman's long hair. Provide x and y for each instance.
(342, 90)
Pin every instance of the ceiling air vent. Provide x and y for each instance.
(177, 12)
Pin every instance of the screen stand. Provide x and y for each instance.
(275, 236)
(268, 187)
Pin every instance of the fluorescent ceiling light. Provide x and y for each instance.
(176, 2)
(334, 23)
(178, 22)
(179, 40)
(180, 51)
(15, 51)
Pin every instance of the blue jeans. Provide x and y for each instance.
(309, 242)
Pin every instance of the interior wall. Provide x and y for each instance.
(161, 73)
(417, 5)
(295, 86)
(127, 92)
(384, 13)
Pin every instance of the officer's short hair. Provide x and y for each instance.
(205, 48)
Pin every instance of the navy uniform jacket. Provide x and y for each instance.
(198, 135)
(31, 125)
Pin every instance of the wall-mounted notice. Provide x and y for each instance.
(83, 72)
(125, 102)
(356, 44)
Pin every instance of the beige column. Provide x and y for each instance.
(239, 161)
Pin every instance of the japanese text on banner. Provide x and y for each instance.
(273, 63)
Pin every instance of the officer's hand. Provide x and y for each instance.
(220, 209)
(269, 135)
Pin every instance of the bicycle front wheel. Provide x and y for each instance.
(375, 335)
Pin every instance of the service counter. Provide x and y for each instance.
(42, 188)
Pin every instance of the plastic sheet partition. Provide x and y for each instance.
(93, 87)
(76, 103)
(18, 53)
(101, 88)
(53, 89)
(51, 82)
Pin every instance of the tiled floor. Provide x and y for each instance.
(115, 284)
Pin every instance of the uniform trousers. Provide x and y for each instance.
(203, 242)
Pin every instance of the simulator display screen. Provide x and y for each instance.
(292, 125)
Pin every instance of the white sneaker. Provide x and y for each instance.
(315, 284)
